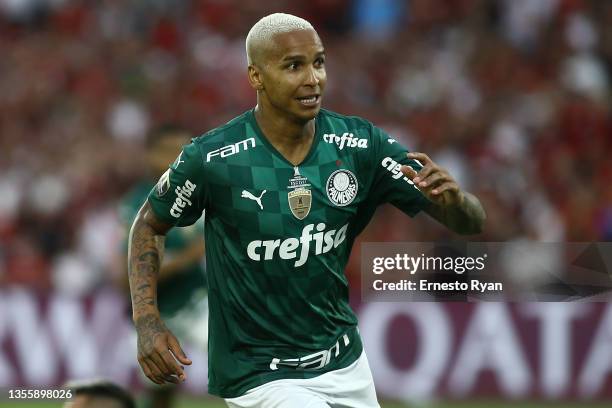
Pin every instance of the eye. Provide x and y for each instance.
(293, 66)
(319, 62)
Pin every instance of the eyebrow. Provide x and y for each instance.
(297, 57)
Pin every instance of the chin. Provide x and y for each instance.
(307, 115)
(311, 115)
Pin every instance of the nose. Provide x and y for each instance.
(312, 77)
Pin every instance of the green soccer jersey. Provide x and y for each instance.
(278, 239)
(179, 290)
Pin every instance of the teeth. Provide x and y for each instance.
(309, 100)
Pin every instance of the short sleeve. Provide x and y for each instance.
(389, 183)
(178, 197)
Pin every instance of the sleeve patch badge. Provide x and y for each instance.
(163, 185)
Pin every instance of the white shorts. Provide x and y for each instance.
(350, 387)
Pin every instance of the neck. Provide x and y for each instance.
(292, 138)
(283, 130)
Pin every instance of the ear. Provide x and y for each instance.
(255, 77)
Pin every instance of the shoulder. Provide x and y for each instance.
(234, 129)
(351, 122)
(352, 131)
(216, 141)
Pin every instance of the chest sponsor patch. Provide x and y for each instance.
(231, 149)
(342, 187)
(346, 140)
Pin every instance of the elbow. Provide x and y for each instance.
(474, 227)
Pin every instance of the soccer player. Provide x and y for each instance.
(181, 287)
(286, 186)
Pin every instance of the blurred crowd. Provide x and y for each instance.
(512, 96)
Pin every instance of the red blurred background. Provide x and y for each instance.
(512, 96)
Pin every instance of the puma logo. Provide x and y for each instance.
(246, 194)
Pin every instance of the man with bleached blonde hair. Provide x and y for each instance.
(260, 36)
(281, 331)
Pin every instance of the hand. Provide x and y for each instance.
(159, 350)
(434, 181)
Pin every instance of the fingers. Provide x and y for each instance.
(447, 186)
(146, 369)
(172, 367)
(408, 171)
(165, 367)
(156, 346)
(158, 369)
(433, 179)
(152, 374)
(159, 364)
(424, 173)
(155, 368)
(426, 177)
(430, 175)
(420, 158)
(177, 351)
(428, 166)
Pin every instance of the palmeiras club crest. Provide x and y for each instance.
(299, 196)
(342, 187)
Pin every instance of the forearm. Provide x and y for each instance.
(144, 260)
(466, 217)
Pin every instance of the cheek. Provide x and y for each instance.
(323, 77)
(274, 84)
(284, 87)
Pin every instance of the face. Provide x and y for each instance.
(290, 74)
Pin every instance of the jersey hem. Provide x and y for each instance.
(351, 356)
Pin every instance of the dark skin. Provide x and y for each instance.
(159, 352)
(290, 68)
(458, 210)
(284, 71)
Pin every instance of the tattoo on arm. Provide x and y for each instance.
(149, 328)
(139, 301)
(468, 217)
(144, 259)
(475, 214)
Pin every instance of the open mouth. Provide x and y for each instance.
(312, 100)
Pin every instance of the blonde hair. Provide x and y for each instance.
(269, 26)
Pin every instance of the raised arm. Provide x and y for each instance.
(458, 210)
(158, 348)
